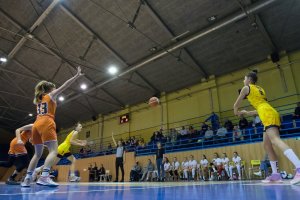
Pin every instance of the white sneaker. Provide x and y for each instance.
(26, 182)
(257, 173)
(296, 179)
(74, 179)
(46, 181)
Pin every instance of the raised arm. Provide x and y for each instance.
(67, 84)
(112, 135)
(19, 130)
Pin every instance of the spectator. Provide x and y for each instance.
(225, 162)
(101, 171)
(192, 166)
(95, 172)
(264, 167)
(222, 131)
(237, 134)
(209, 134)
(185, 168)
(173, 135)
(243, 124)
(204, 128)
(91, 173)
(159, 164)
(228, 125)
(213, 172)
(204, 168)
(183, 132)
(82, 151)
(256, 121)
(88, 149)
(167, 168)
(141, 144)
(135, 172)
(175, 169)
(109, 148)
(148, 170)
(214, 120)
(217, 161)
(297, 112)
(237, 164)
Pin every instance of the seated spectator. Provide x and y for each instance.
(148, 170)
(214, 120)
(228, 125)
(91, 173)
(297, 112)
(183, 133)
(185, 168)
(222, 131)
(256, 121)
(192, 167)
(209, 134)
(141, 144)
(109, 149)
(217, 161)
(175, 169)
(204, 128)
(135, 172)
(173, 136)
(167, 168)
(213, 172)
(237, 164)
(243, 124)
(101, 171)
(264, 167)
(204, 168)
(82, 151)
(88, 149)
(225, 163)
(237, 134)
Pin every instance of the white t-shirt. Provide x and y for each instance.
(185, 165)
(225, 161)
(175, 165)
(167, 166)
(204, 163)
(237, 160)
(193, 164)
(217, 161)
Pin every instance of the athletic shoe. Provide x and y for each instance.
(74, 179)
(11, 181)
(296, 179)
(257, 173)
(26, 182)
(46, 181)
(274, 178)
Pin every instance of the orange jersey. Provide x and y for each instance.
(46, 107)
(17, 149)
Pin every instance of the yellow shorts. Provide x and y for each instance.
(63, 149)
(269, 116)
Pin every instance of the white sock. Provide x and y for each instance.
(45, 171)
(72, 174)
(274, 165)
(289, 153)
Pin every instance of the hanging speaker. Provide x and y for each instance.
(275, 57)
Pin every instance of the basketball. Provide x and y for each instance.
(153, 101)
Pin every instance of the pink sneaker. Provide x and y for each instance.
(296, 179)
(274, 178)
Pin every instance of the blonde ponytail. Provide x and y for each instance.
(42, 88)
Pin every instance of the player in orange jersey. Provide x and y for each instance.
(17, 154)
(44, 129)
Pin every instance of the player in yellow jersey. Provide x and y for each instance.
(271, 121)
(64, 151)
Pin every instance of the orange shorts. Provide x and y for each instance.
(16, 149)
(44, 130)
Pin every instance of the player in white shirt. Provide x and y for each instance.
(167, 167)
(204, 168)
(192, 166)
(237, 164)
(217, 161)
(175, 168)
(225, 162)
(185, 168)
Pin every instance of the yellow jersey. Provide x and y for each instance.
(64, 147)
(258, 99)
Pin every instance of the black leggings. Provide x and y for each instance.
(119, 163)
(21, 162)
